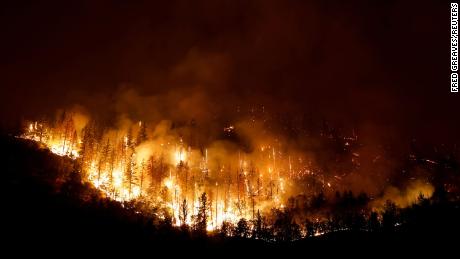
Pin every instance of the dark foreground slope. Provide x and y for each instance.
(46, 208)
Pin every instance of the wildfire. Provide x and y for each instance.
(166, 172)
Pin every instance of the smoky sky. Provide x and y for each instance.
(381, 66)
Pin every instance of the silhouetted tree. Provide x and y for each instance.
(318, 201)
(258, 226)
(285, 228)
(242, 228)
(389, 216)
(103, 158)
(201, 219)
(183, 212)
(130, 177)
(373, 222)
(227, 229)
(309, 228)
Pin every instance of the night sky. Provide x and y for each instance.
(379, 66)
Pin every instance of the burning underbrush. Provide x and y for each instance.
(248, 180)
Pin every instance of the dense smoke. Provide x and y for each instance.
(313, 156)
(309, 90)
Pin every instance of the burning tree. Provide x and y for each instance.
(214, 185)
(201, 218)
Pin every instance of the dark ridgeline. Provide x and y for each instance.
(371, 67)
(46, 206)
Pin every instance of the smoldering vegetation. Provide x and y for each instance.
(51, 209)
(274, 162)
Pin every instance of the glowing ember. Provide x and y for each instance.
(166, 172)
